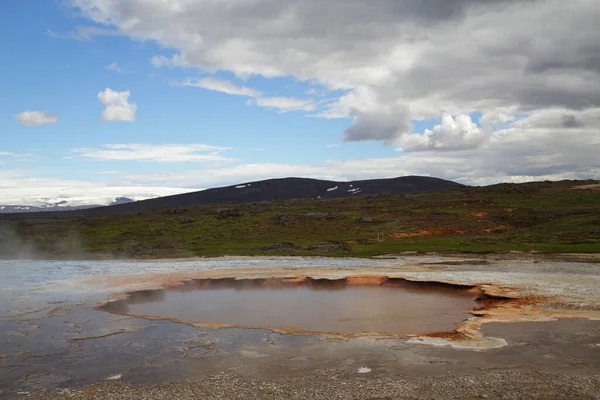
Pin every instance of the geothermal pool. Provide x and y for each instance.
(311, 307)
(56, 333)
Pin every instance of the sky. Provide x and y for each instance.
(143, 98)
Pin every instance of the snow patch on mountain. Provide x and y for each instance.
(78, 196)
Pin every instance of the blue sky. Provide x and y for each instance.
(63, 77)
(204, 112)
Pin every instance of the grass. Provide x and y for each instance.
(548, 217)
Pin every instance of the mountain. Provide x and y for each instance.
(121, 200)
(7, 209)
(58, 206)
(273, 190)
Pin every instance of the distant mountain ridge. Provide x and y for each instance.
(58, 206)
(9, 208)
(273, 190)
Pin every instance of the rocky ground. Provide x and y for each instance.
(486, 385)
(545, 343)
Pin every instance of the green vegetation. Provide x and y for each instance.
(548, 217)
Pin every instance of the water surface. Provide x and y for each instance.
(333, 309)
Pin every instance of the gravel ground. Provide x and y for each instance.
(51, 338)
(488, 385)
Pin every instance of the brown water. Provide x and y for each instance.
(332, 309)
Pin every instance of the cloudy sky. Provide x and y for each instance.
(151, 97)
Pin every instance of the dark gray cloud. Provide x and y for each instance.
(446, 55)
(500, 58)
(571, 121)
(382, 125)
(441, 10)
(557, 95)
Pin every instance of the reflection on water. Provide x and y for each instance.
(331, 308)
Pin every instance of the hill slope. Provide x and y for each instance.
(274, 190)
(550, 217)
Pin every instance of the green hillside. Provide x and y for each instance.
(546, 217)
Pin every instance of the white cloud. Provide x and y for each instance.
(532, 148)
(83, 33)
(32, 118)
(317, 92)
(29, 156)
(458, 133)
(171, 153)
(16, 189)
(220, 85)
(117, 106)
(113, 67)
(398, 50)
(528, 150)
(284, 104)
(161, 61)
(329, 146)
(279, 104)
(57, 35)
(516, 62)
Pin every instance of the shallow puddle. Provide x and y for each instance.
(323, 307)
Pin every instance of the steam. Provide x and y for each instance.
(12, 245)
(37, 242)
